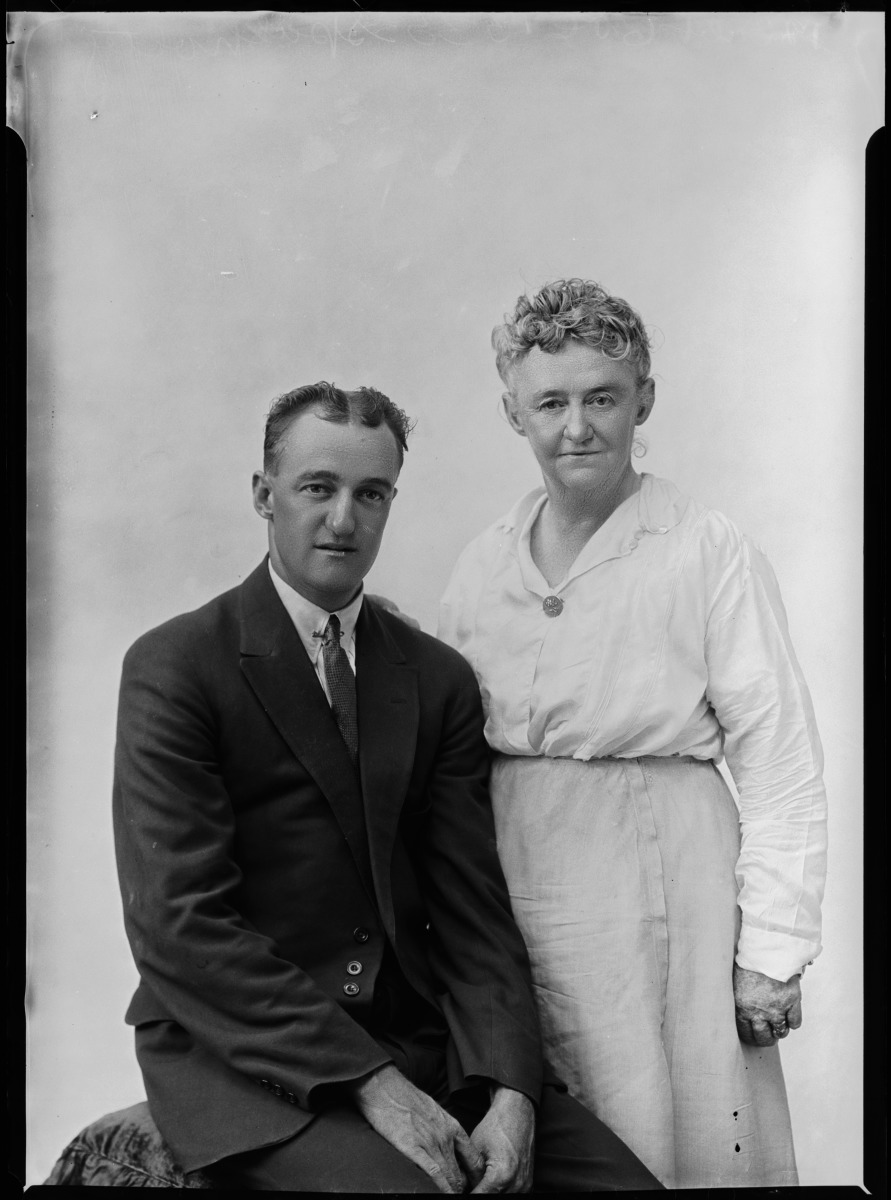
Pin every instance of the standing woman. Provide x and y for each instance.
(625, 639)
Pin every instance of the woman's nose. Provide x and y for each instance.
(340, 519)
(578, 424)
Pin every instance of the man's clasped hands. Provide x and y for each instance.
(496, 1157)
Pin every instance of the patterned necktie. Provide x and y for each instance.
(341, 685)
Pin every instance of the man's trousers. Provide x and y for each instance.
(340, 1152)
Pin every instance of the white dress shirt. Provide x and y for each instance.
(672, 640)
(309, 620)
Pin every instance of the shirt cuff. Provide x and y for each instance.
(529, 1083)
(777, 955)
(335, 1090)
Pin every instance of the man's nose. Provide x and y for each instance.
(341, 519)
(578, 423)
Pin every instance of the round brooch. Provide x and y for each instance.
(553, 606)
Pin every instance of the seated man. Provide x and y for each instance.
(333, 994)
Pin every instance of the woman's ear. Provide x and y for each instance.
(646, 398)
(511, 412)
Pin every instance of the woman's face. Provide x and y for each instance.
(579, 410)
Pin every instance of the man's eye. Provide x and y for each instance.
(550, 405)
(315, 489)
(371, 494)
(601, 401)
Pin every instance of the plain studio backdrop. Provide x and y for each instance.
(223, 206)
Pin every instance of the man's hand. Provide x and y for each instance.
(766, 1009)
(505, 1138)
(415, 1124)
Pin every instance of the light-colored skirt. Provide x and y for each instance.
(621, 876)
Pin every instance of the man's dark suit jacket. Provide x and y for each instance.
(249, 882)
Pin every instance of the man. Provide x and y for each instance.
(333, 993)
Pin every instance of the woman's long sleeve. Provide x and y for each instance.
(773, 750)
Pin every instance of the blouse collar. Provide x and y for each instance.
(654, 509)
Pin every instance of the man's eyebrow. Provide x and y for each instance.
(333, 477)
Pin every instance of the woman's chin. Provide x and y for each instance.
(583, 474)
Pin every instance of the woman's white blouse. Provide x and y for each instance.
(672, 640)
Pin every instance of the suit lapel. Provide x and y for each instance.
(278, 669)
(387, 697)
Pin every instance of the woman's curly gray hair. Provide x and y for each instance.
(572, 308)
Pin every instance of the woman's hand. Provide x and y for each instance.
(391, 607)
(766, 1009)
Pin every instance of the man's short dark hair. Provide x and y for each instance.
(366, 404)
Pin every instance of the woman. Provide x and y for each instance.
(625, 638)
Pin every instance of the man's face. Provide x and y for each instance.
(327, 504)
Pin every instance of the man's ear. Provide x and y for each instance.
(510, 411)
(263, 500)
(646, 398)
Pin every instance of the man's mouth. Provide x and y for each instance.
(332, 548)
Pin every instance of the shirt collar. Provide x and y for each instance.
(309, 619)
